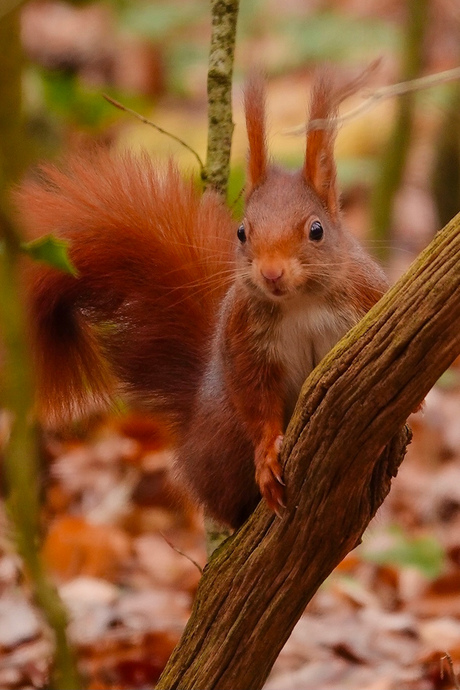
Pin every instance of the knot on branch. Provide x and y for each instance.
(387, 466)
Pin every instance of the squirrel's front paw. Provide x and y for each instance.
(269, 475)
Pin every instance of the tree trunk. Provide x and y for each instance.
(224, 15)
(20, 457)
(393, 162)
(344, 443)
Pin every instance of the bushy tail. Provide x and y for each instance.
(154, 257)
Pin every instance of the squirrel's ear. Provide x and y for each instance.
(319, 168)
(254, 107)
(326, 96)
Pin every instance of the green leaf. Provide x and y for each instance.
(68, 97)
(449, 380)
(422, 552)
(51, 251)
(155, 21)
(334, 35)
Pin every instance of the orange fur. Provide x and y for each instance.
(319, 167)
(320, 170)
(153, 257)
(164, 311)
(254, 103)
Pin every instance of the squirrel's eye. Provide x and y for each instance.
(241, 233)
(316, 231)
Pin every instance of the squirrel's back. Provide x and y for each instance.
(154, 257)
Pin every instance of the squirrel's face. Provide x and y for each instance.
(288, 243)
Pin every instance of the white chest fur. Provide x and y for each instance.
(305, 333)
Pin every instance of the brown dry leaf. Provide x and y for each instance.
(158, 609)
(26, 666)
(86, 39)
(55, 33)
(124, 662)
(364, 645)
(338, 675)
(74, 547)
(442, 413)
(166, 567)
(441, 633)
(18, 621)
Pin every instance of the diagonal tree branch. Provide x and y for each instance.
(345, 442)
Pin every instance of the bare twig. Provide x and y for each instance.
(238, 197)
(146, 121)
(182, 553)
(447, 657)
(375, 97)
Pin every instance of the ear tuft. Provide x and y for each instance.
(319, 169)
(254, 106)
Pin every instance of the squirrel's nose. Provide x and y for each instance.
(272, 273)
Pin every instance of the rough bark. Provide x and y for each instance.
(345, 442)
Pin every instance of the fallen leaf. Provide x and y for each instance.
(74, 547)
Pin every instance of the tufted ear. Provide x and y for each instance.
(254, 106)
(319, 169)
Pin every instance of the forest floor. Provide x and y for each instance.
(120, 544)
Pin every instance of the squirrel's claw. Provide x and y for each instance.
(276, 471)
(279, 513)
(269, 478)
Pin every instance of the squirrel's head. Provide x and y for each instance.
(291, 239)
(291, 231)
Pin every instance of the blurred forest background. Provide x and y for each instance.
(113, 525)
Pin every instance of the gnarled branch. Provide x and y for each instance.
(344, 443)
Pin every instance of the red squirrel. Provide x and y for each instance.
(213, 323)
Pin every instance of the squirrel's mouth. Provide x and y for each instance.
(276, 292)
